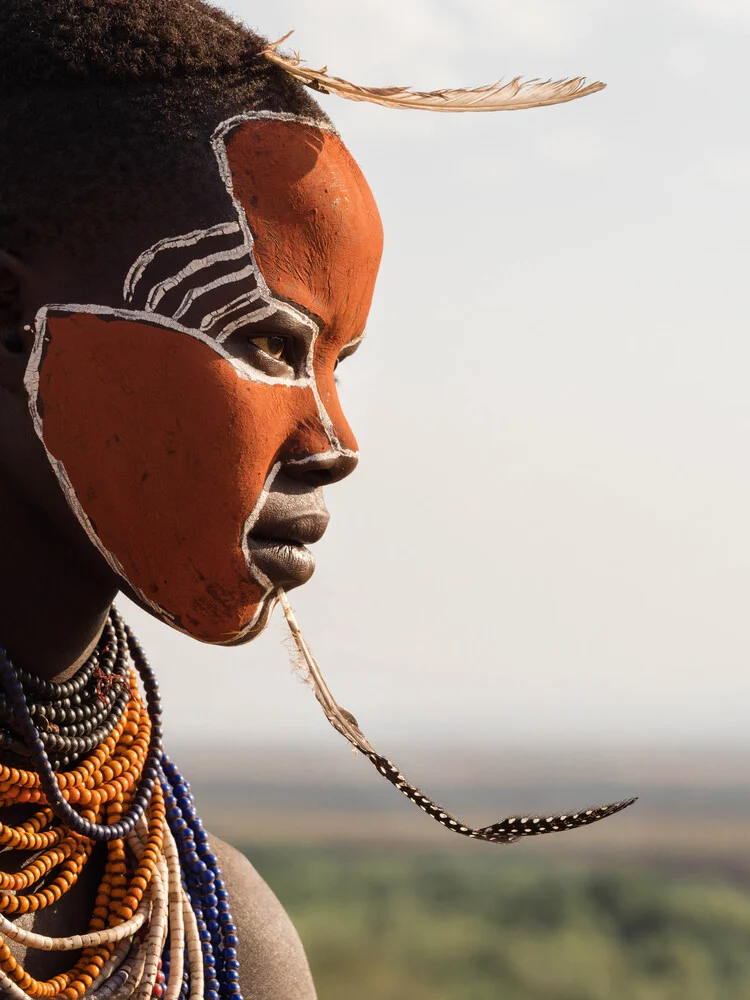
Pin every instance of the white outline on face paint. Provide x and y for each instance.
(215, 317)
(246, 371)
(227, 279)
(158, 292)
(248, 526)
(349, 348)
(172, 243)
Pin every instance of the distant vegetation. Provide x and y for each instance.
(488, 927)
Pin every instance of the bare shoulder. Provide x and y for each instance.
(272, 960)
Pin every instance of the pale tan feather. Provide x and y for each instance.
(511, 96)
(342, 720)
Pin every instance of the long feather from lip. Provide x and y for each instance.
(514, 95)
(507, 831)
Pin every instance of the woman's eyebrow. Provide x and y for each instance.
(352, 347)
(274, 321)
(287, 322)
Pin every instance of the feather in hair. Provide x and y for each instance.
(515, 95)
(507, 831)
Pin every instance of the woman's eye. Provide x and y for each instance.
(274, 347)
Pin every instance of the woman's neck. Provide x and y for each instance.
(54, 595)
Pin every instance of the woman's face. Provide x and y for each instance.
(192, 426)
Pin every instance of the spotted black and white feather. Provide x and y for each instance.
(506, 831)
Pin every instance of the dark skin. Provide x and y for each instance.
(56, 589)
(36, 526)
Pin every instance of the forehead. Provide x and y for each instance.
(317, 235)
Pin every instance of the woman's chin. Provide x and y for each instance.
(250, 632)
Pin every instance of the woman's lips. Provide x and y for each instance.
(286, 563)
(279, 548)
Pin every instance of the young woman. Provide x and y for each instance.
(187, 252)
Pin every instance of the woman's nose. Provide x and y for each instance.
(323, 469)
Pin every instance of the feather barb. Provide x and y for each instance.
(515, 95)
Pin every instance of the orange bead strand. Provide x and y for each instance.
(103, 786)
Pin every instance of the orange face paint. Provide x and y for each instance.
(162, 440)
(317, 235)
(316, 228)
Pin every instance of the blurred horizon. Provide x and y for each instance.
(650, 904)
(693, 806)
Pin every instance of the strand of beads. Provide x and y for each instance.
(103, 786)
(53, 791)
(76, 716)
(119, 900)
(208, 894)
(161, 927)
(105, 776)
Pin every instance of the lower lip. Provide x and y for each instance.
(286, 564)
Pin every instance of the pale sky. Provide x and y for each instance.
(547, 537)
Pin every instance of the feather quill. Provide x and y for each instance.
(514, 95)
(506, 831)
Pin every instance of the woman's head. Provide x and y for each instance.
(193, 250)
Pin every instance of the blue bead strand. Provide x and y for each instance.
(206, 888)
(184, 844)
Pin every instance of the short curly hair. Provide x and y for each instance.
(107, 101)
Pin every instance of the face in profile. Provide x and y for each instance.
(193, 428)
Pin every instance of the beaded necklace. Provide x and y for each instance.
(78, 715)
(161, 925)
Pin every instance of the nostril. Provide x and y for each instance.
(324, 469)
(322, 477)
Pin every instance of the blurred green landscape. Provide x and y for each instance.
(652, 904)
(446, 927)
